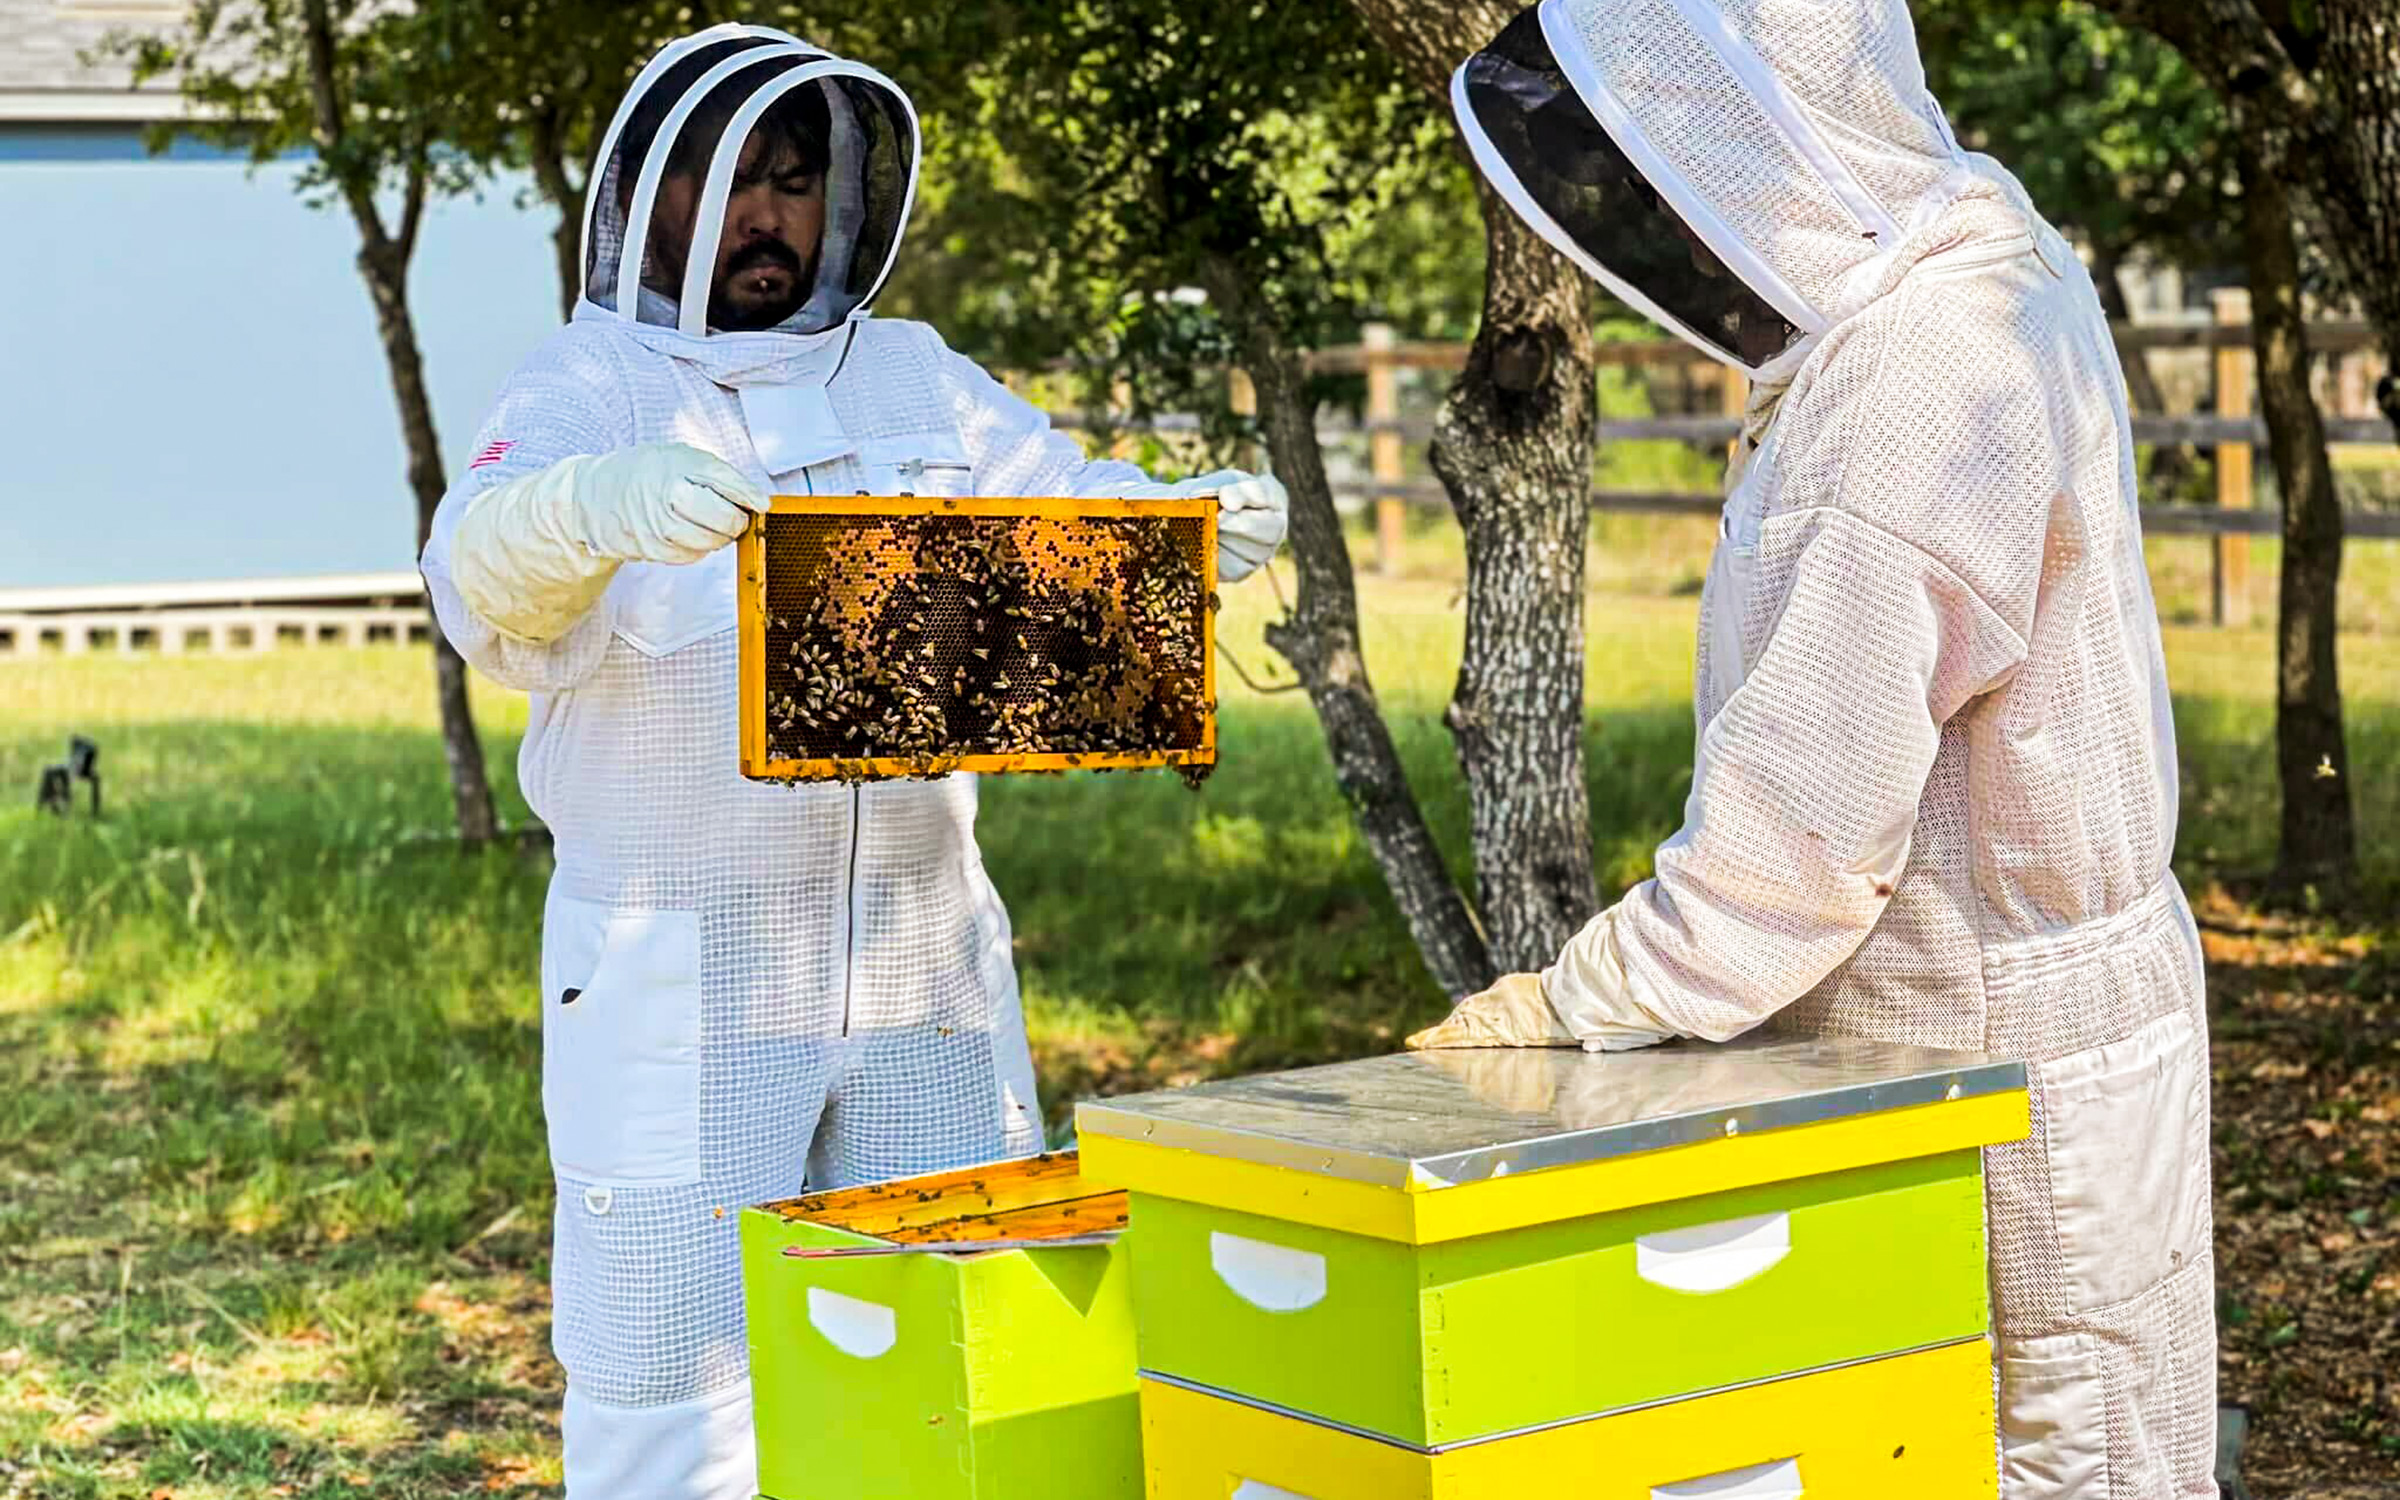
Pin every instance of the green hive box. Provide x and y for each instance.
(945, 1377)
(1451, 1248)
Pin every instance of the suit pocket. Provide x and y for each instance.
(2127, 1129)
(918, 463)
(2053, 1419)
(621, 1043)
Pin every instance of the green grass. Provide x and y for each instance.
(273, 1195)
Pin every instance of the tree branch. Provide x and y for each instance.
(1422, 37)
(412, 211)
(2229, 41)
(546, 147)
(326, 104)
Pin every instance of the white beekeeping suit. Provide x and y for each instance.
(744, 988)
(1935, 790)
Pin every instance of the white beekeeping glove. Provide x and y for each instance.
(1583, 1001)
(1252, 514)
(1512, 1013)
(532, 554)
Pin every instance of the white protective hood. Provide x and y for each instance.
(1796, 139)
(723, 80)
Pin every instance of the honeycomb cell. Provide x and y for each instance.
(906, 637)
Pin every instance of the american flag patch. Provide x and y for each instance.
(492, 453)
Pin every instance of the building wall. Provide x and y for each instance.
(194, 386)
(42, 42)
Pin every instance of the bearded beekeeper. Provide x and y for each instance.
(1934, 793)
(744, 988)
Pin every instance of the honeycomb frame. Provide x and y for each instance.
(760, 629)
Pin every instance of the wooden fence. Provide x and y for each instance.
(2231, 428)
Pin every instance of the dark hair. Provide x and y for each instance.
(797, 124)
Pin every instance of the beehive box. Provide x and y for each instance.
(1914, 1427)
(944, 1377)
(886, 636)
(1447, 1248)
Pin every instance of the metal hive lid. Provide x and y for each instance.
(1435, 1119)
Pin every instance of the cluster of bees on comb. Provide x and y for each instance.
(927, 638)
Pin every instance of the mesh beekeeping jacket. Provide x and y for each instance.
(1934, 792)
(856, 999)
(683, 126)
(1671, 147)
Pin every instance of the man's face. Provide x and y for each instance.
(767, 251)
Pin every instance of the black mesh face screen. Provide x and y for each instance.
(717, 156)
(1566, 162)
(927, 638)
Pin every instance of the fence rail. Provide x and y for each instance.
(2231, 429)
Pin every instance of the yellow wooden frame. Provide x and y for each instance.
(752, 611)
(1428, 1213)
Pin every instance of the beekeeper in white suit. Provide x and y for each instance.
(1935, 788)
(744, 988)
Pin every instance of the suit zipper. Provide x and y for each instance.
(850, 912)
(850, 880)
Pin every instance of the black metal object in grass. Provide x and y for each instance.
(57, 791)
(83, 763)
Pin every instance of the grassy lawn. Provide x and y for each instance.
(273, 1197)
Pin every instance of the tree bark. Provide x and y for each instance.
(2170, 465)
(1513, 446)
(1320, 639)
(2323, 82)
(383, 260)
(470, 784)
(566, 238)
(2319, 845)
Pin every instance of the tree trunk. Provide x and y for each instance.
(1513, 446)
(2170, 465)
(566, 238)
(383, 258)
(386, 273)
(2323, 80)
(2320, 845)
(1320, 640)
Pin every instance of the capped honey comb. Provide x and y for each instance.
(897, 636)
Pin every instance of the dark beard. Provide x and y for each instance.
(722, 313)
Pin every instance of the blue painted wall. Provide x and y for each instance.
(190, 382)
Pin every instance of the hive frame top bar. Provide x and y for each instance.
(1435, 1119)
(1040, 506)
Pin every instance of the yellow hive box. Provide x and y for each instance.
(1435, 1252)
(1917, 1427)
(892, 636)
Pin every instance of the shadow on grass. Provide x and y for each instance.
(256, 1053)
(222, 1454)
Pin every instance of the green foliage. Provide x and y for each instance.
(245, 69)
(2107, 127)
(1115, 179)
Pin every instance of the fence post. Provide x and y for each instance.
(2229, 578)
(1383, 445)
(1733, 398)
(1241, 397)
(1127, 446)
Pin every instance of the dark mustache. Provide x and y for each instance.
(764, 252)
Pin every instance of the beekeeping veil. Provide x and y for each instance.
(1737, 170)
(687, 115)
